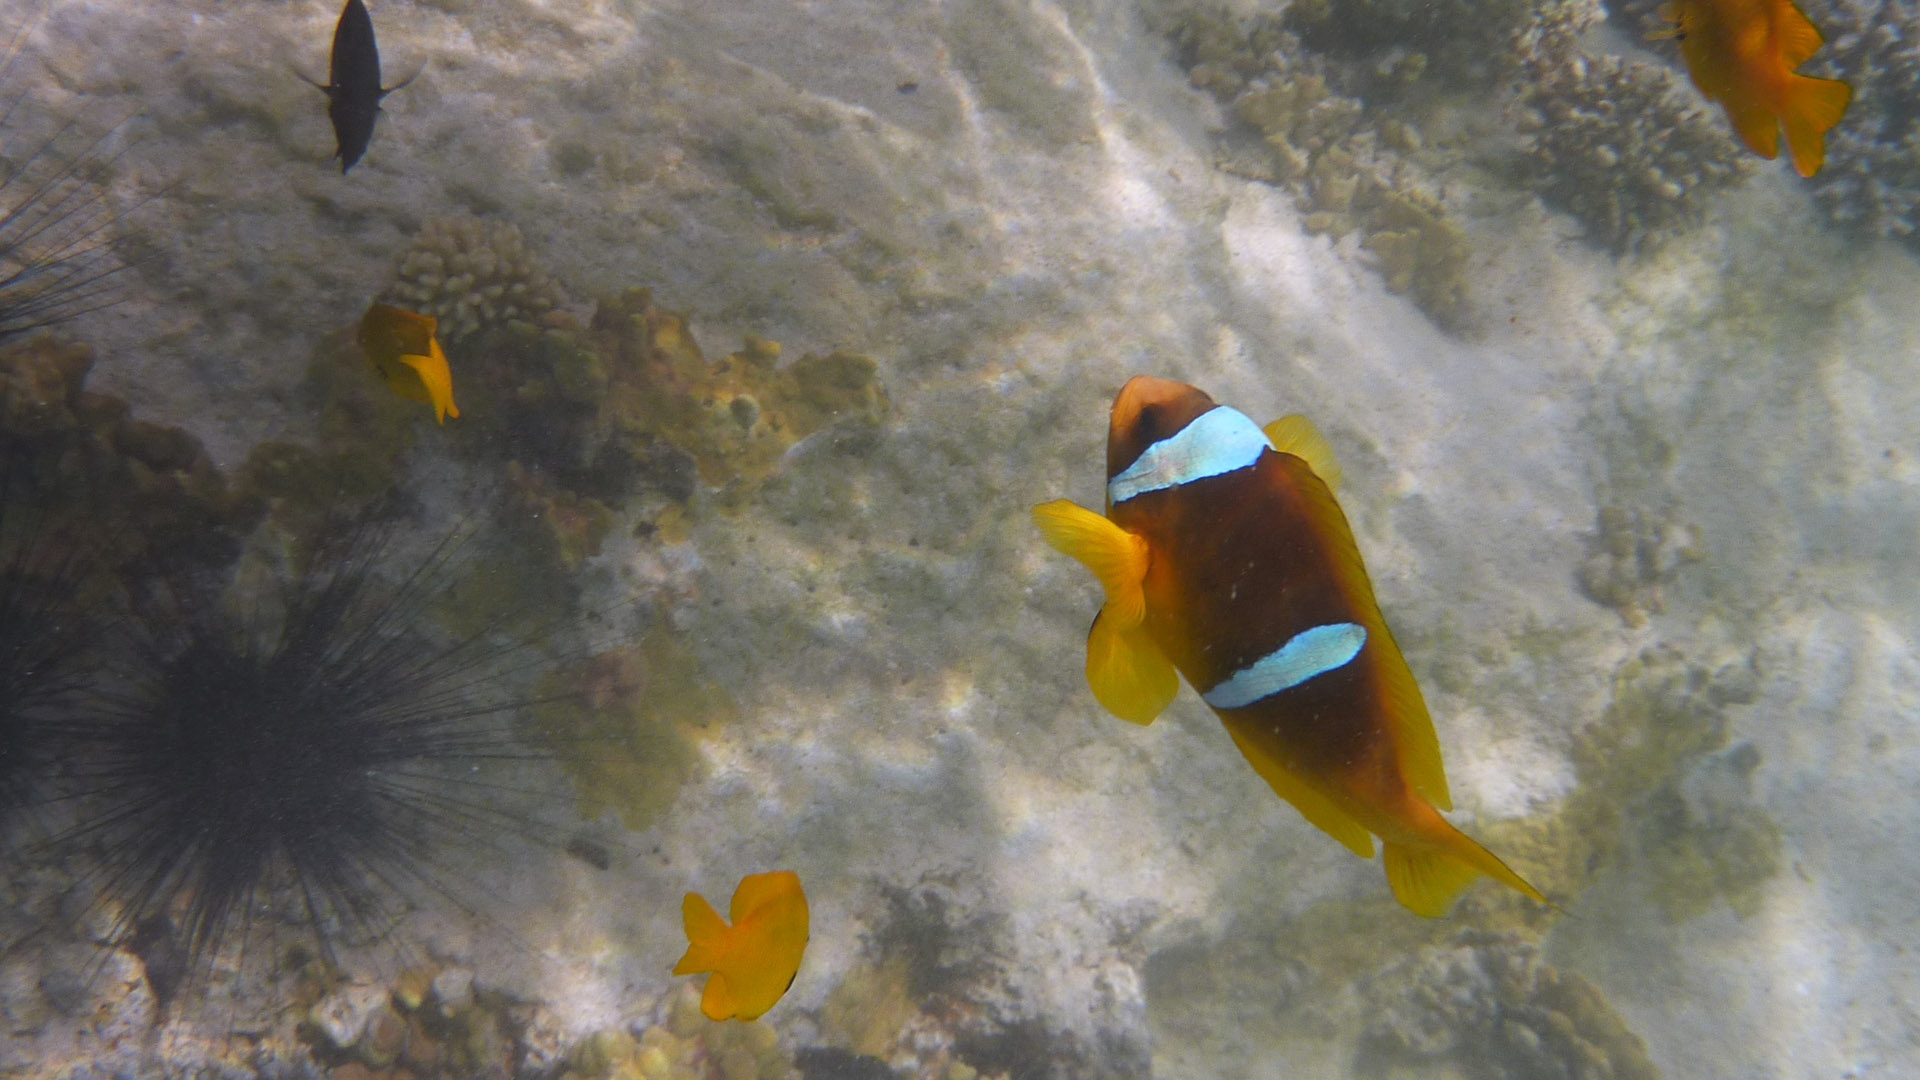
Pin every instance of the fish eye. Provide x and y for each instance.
(1148, 422)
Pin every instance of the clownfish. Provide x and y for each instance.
(1741, 53)
(400, 345)
(353, 83)
(754, 960)
(1225, 558)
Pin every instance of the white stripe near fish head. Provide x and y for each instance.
(1308, 653)
(1217, 441)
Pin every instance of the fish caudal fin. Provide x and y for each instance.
(1129, 675)
(1427, 878)
(1117, 557)
(1296, 435)
(706, 936)
(1813, 106)
(1425, 882)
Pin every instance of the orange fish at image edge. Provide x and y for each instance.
(401, 346)
(1741, 53)
(754, 960)
(1225, 558)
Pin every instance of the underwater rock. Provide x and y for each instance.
(1460, 38)
(1620, 144)
(1487, 1004)
(472, 275)
(151, 490)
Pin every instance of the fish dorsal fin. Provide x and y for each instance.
(1117, 557)
(1413, 735)
(758, 889)
(1129, 675)
(1319, 810)
(703, 924)
(1296, 435)
(1799, 38)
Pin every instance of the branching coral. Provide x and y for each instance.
(1616, 142)
(472, 275)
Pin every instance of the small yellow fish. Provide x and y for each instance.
(1741, 53)
(402, 348)
(754, 960)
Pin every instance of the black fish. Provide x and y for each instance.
(353, 83)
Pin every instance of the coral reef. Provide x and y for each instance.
(1348, 164)
(1615, 142)
(1487, 1003)
(626, 413)
(1634, 555)
(472, 275)
(1460, 38)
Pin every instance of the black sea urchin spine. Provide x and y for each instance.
(339, 760)
(57, 256)
(43, 636)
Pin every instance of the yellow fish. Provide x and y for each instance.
(402, 348)
(754, 960)
(1226, 559)
(1741, 53)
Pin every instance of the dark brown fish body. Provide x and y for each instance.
(353, 84)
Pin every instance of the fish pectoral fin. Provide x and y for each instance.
(1319, 810)
(1298, 436)
(437, 379)
(1426, 881)
(1813, 106)
(1129, 675)
(717, 1000)
(1117, 557)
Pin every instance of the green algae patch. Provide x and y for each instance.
(627, 725)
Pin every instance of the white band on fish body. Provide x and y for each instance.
(1309, 653)
(1217, 441)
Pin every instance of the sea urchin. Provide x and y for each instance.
(336, 761)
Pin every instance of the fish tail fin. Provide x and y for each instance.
(1813, 106)
(1426, 879)
(706, 932)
